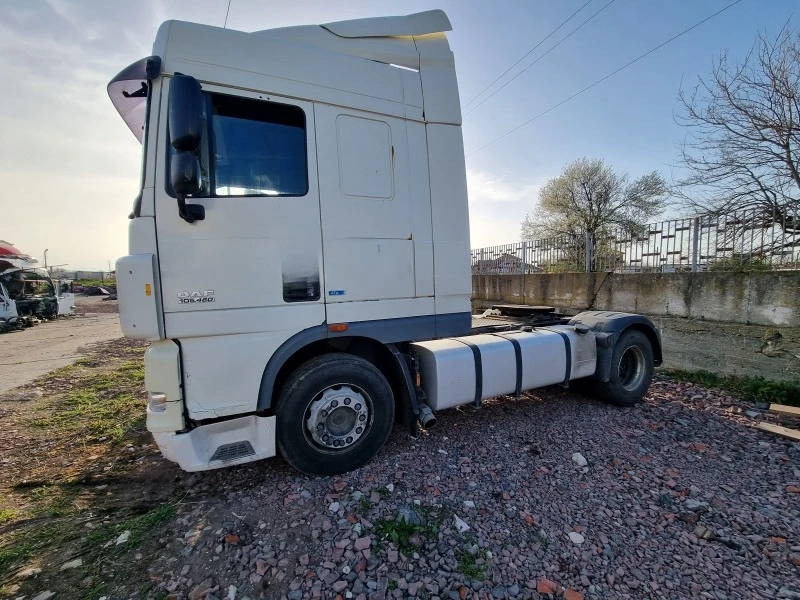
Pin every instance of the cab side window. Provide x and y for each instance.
(253, 148)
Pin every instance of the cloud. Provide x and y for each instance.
(498, 204)
(488, 188)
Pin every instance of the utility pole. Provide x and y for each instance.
(45, 260)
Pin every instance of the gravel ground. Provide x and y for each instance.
(678, 498)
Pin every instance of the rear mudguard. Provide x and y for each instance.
(608, 326)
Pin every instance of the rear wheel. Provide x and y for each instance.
(334, 413)
(631, 370)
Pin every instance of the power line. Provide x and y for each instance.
(602, 79)
(528, 53)
(565, 38)
(226, 14)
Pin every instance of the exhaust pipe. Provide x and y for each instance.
(426, 417)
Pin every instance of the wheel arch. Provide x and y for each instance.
(313, 342)
(608, 327)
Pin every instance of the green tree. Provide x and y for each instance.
(590, 201)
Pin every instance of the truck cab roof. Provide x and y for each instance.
(399, 65)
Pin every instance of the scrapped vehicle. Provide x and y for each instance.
(28, 295)
(300, 253)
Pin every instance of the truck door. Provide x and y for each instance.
(253, 264)
(366, 212)
(64, 296)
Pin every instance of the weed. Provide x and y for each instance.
(751, 388)
(95, 592)
(468, 567)
(399, 533)
(364, 505)
(392, 584)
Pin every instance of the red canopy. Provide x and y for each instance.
(6, 249)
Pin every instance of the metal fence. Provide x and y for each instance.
(743, 240)
(102, 276)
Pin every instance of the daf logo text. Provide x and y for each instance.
(193, 297)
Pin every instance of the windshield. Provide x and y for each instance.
(129, 92)
(28, 283)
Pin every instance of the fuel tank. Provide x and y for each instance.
(464, 370)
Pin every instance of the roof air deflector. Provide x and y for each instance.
(423, 23)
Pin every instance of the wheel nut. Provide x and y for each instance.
(358, 407)
(349, 440)
(323, 413)
(362, 418)
(359, 430)
(335, 403)
(347, 401)
(320, 426)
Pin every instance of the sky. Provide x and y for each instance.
(70, 167)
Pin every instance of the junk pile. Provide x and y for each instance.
(27, 293)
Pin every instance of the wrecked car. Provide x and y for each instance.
(28, 294)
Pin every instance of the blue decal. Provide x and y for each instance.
(335, 292)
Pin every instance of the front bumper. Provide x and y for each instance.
(221, 444)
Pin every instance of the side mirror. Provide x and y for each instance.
(185, 113)
(184, 171)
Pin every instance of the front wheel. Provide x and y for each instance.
(631, 370)
(334, 413)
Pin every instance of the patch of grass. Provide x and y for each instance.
(101, 403)
(109, 281)
(751, 388)
(86, 414)
(51, 500)
(138, 525)
(21, 545)
(364, 505)
(468, 567)
(8, 514)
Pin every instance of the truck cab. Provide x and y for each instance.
(302, 224)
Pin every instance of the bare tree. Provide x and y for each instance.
(742, 149)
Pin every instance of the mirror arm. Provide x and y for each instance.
(190, 212)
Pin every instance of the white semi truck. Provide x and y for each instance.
(299, 255)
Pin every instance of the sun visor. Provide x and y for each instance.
(128, 92)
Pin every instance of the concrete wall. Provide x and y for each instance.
(770, 299)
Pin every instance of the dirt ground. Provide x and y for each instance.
(32, 352)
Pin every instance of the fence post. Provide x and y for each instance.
(588, 258)
(695, 235)
(524, 267)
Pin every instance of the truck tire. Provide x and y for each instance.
(334, 413)
(631, 370)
